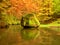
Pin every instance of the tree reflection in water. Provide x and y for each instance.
(14, 35)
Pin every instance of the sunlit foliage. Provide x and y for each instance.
(42, 8)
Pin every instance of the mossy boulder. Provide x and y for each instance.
(30, 20)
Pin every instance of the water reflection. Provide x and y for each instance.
(30, 33)
(15, 35)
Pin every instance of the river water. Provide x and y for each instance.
(13, 36)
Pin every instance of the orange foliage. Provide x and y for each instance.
(20, 7)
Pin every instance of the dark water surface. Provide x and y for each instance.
(13, 36)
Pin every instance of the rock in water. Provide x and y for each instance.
(30, 21)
